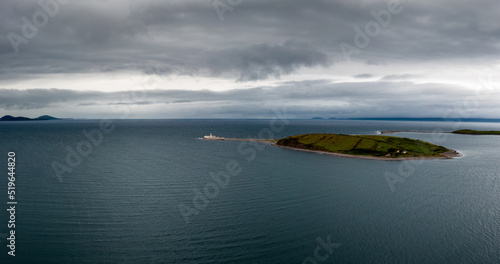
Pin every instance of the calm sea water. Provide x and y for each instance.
(120, 204)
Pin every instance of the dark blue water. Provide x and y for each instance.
(120, 203)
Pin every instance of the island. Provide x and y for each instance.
(475, 132)
(375, 147)
(22, 118)
(367, 146)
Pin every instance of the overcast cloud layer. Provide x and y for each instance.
(214, 58)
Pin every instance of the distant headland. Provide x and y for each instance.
(421, 119)
(475, 132)
(461, 132)
(22, 118)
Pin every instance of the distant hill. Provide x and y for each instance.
(46, 117)
(22, 118)
(430, 119)
(427, 119)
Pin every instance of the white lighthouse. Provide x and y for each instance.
(212, 137)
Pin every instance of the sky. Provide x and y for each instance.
(250, 58)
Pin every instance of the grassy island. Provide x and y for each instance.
(475, 132)
(367, 146)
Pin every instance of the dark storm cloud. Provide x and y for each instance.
(264, 60)
(257, 40)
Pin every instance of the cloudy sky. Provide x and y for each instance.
(247, 58)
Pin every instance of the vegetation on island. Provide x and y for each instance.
(476, 132)
(365, 145)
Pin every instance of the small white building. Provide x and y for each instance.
(212, 137)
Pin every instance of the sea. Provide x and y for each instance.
(151, 191)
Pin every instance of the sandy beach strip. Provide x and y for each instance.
(268, 141)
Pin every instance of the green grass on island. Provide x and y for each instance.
(365, 145)
(476, 132)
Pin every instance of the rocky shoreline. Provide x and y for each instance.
(411, 131)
